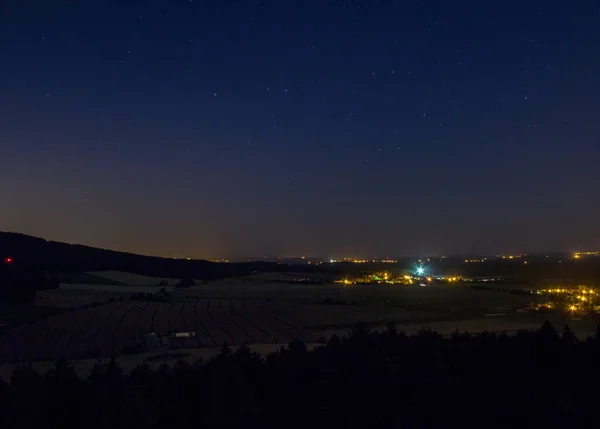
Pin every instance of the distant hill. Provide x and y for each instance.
(37, 253)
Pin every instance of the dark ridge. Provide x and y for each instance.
(35, 253)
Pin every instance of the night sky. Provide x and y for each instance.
(336, 128)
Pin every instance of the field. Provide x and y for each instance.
(97, 321)
(132, 279)
(111, 328)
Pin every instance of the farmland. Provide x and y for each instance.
(132, 279)
(90, 321)
(112, 327)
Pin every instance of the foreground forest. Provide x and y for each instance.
(369, 379)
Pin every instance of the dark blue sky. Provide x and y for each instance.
(229, 128)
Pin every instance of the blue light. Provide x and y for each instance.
(420, 270)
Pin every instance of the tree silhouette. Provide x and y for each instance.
(568, 336)
(366, 379)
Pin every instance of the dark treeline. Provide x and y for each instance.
(18, 285)
(540, 379)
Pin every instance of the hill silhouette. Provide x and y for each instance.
(55, 257)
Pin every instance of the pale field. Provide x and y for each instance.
(75, 296)
(119, 289)
(121, 326)
(451, 298)
(307, 305)
(255, 311)
(444, 308)
(133, 279)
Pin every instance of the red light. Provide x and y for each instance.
(8, 260)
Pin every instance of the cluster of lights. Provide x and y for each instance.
(579, 255)
(520, 255)
(554, 291)
(363, 261)
(383, 277)
(406, 279)
(474, 261)
(546, 305)
(580, 299)
(581, 292)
